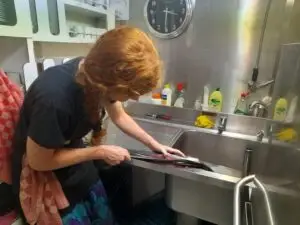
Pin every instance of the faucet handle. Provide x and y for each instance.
(260, 135)
(223, 121)
(222, 124)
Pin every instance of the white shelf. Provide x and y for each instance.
(84, 9)
(72, 13)
(67, 39)
(81, 40)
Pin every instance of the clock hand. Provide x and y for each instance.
(170, 12)
(166, 17)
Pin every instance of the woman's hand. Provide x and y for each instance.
(113, 155)
(166, 150)
(130, 127)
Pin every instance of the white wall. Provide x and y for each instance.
(13, 54)
(50, 50)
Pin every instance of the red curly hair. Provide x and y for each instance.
(123, 60)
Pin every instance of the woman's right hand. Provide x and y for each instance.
(114, 155)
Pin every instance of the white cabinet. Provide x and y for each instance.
(49, 23)
(70, 21)
(15, 18)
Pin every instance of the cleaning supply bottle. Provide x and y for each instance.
(205, 98)
(241, 106)
(280, 109)
(180, 96)
(156, 99)
(292, 110)
(215, 101)
(197, 105)
(166, 95)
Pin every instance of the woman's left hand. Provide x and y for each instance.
(166, 150)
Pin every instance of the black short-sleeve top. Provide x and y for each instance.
(53, 115)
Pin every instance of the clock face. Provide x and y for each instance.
(168, 18)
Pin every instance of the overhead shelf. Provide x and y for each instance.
(92, 38)
(65, 39)
(84, 9)
(77, 22)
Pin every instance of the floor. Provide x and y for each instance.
(187, 220)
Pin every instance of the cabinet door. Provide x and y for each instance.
(15, 18)
(50, 20)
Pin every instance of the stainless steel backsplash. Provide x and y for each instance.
(221, 45)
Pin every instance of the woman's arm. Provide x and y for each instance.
(43, 159)
(130, 127)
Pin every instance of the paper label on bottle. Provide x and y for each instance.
(164, 99)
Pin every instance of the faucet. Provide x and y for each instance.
(222, 124)
(254, 85)
(258, 109)
(260, 135)
(247, 162)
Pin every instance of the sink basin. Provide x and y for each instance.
(224, 153)
(209, 195)
(200, 199)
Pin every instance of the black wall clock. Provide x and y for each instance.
(168, 18)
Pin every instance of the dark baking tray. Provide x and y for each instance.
(149, 156)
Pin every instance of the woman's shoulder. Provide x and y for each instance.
(55, 87)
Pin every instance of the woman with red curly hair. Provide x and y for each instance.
(68, 101)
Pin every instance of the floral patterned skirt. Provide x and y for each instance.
(94, 210)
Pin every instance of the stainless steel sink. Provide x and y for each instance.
(203, 200)
(209, 195)
(223, 154)
(213, 201)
